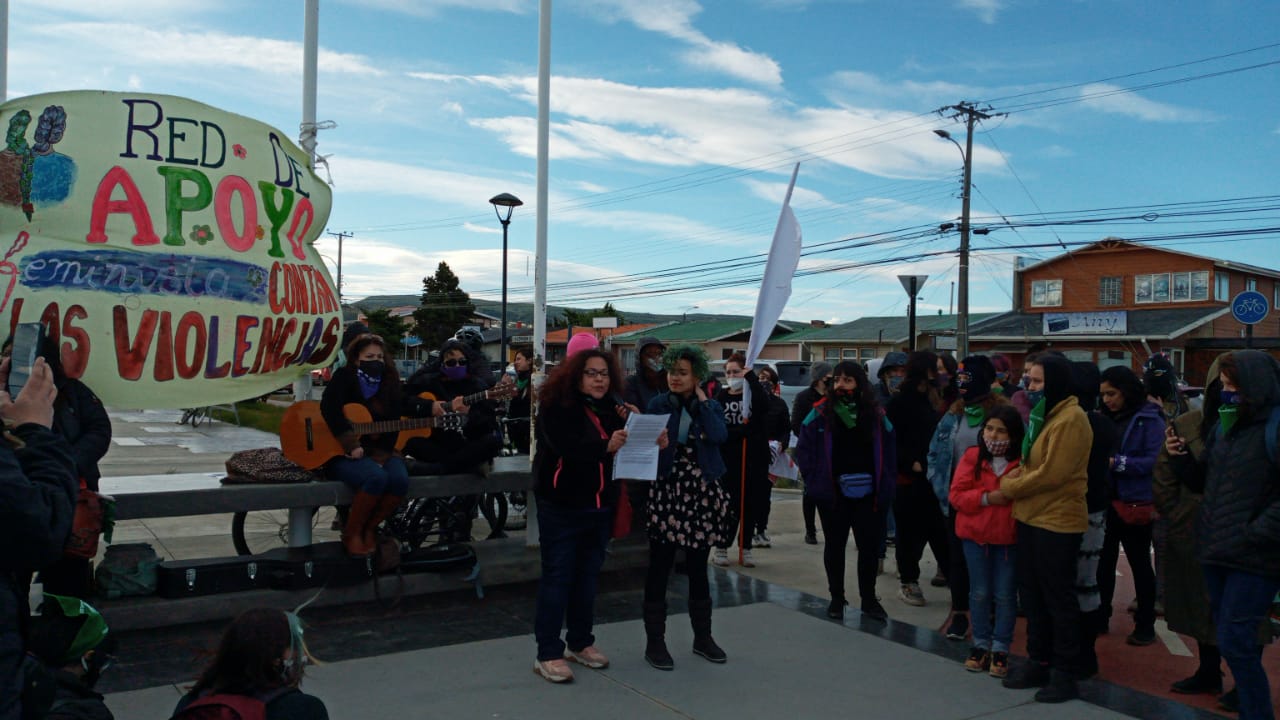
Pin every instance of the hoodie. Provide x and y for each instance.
(1240, 515)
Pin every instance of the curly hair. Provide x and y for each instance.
(696, 356)
(562, 385)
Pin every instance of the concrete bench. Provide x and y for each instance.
(185, 494)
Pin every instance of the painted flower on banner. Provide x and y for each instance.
(201, 234)
(239, 151)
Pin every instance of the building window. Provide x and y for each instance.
(1251, 284)
(831, 355)
(1046, 293)
(1109, 289)
(849, 354)
(865, 354)
(1152, 288)
(1221, 286)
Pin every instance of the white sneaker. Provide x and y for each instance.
(720, 557)
(746, 559)
(762, 540)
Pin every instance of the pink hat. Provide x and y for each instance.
(582, 341)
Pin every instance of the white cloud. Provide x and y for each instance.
(1113, 99)
(134, 82)
(674, 19)
(986, 10)
(431, 8)
(453, 108)
(146, 45)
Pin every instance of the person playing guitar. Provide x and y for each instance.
(460, 383)
(370, 466)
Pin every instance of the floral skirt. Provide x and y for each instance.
(684, 508)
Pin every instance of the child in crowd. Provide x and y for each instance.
(985, 526)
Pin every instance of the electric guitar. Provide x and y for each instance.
(305, 438)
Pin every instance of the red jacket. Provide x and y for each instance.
(983, 524)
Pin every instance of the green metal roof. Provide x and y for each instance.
(701, 331)
(883, 329)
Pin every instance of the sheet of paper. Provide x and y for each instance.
(638, 458)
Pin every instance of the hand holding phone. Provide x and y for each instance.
(35, 403)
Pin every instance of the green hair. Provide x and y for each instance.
(696, 356)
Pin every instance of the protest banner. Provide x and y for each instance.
(166, 245)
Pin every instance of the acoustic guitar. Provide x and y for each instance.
(305, 438)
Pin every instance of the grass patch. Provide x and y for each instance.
(258, 415)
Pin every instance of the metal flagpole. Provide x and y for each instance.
(540, 253)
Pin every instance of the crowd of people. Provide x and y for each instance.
(1023, 489)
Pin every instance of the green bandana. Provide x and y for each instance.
(522, 384)
(1228, 415)
(1035, 424)
(974, 414)
(846, 414)
(997, 389)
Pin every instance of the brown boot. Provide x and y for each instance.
(385, 508)
(363, 506)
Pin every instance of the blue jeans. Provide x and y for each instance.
(993, 580)
(573, 545)
(1240, 601)
(390, 478)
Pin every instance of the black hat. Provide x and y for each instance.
(353, 331)
(981, 374)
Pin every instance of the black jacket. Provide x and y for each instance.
(754, 432)
(386, 404)
(801, 406)
(639, 393)
(482, 417)
(779, 426)
(573, 467)
(1105, 439)
(78, 416)
(1240, 516)
(914, 420)
(38, 487)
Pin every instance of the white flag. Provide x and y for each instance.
(775, 288)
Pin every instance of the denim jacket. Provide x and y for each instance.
(941, 458)
(813, 457)
(707, 432)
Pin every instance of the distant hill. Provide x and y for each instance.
(523, 312)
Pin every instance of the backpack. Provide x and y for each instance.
(225, 706)
(127, 569)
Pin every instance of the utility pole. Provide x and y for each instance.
(972, 114)
(341, 236)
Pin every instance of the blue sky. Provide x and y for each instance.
(675, 124)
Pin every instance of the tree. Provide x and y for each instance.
(389, 327)
(583, 318)
(445, 308)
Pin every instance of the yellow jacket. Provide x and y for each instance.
(1050, 491)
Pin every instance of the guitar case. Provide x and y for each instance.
(313, 566)
(212, 576)
(439, 558)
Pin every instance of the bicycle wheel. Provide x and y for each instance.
(494, 508)
(414, 523)
(258, 531)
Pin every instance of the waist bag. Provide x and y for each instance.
(856, 486)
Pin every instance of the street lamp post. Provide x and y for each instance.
(510, 202)
(962, 299)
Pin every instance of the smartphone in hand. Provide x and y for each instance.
(28, 338)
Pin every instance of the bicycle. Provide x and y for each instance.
(414, 523)
(196, 415)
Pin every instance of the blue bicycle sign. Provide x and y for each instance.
(1250, 307)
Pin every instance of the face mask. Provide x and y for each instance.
(1229, 397)
(455, 373)
(845, 395)
(768, 386)
(1034, 397)
(895, 381)
(735, 383)
(1002, 376)
(998, 448)
(372, 368)
(1024, 382)
(654, 364)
